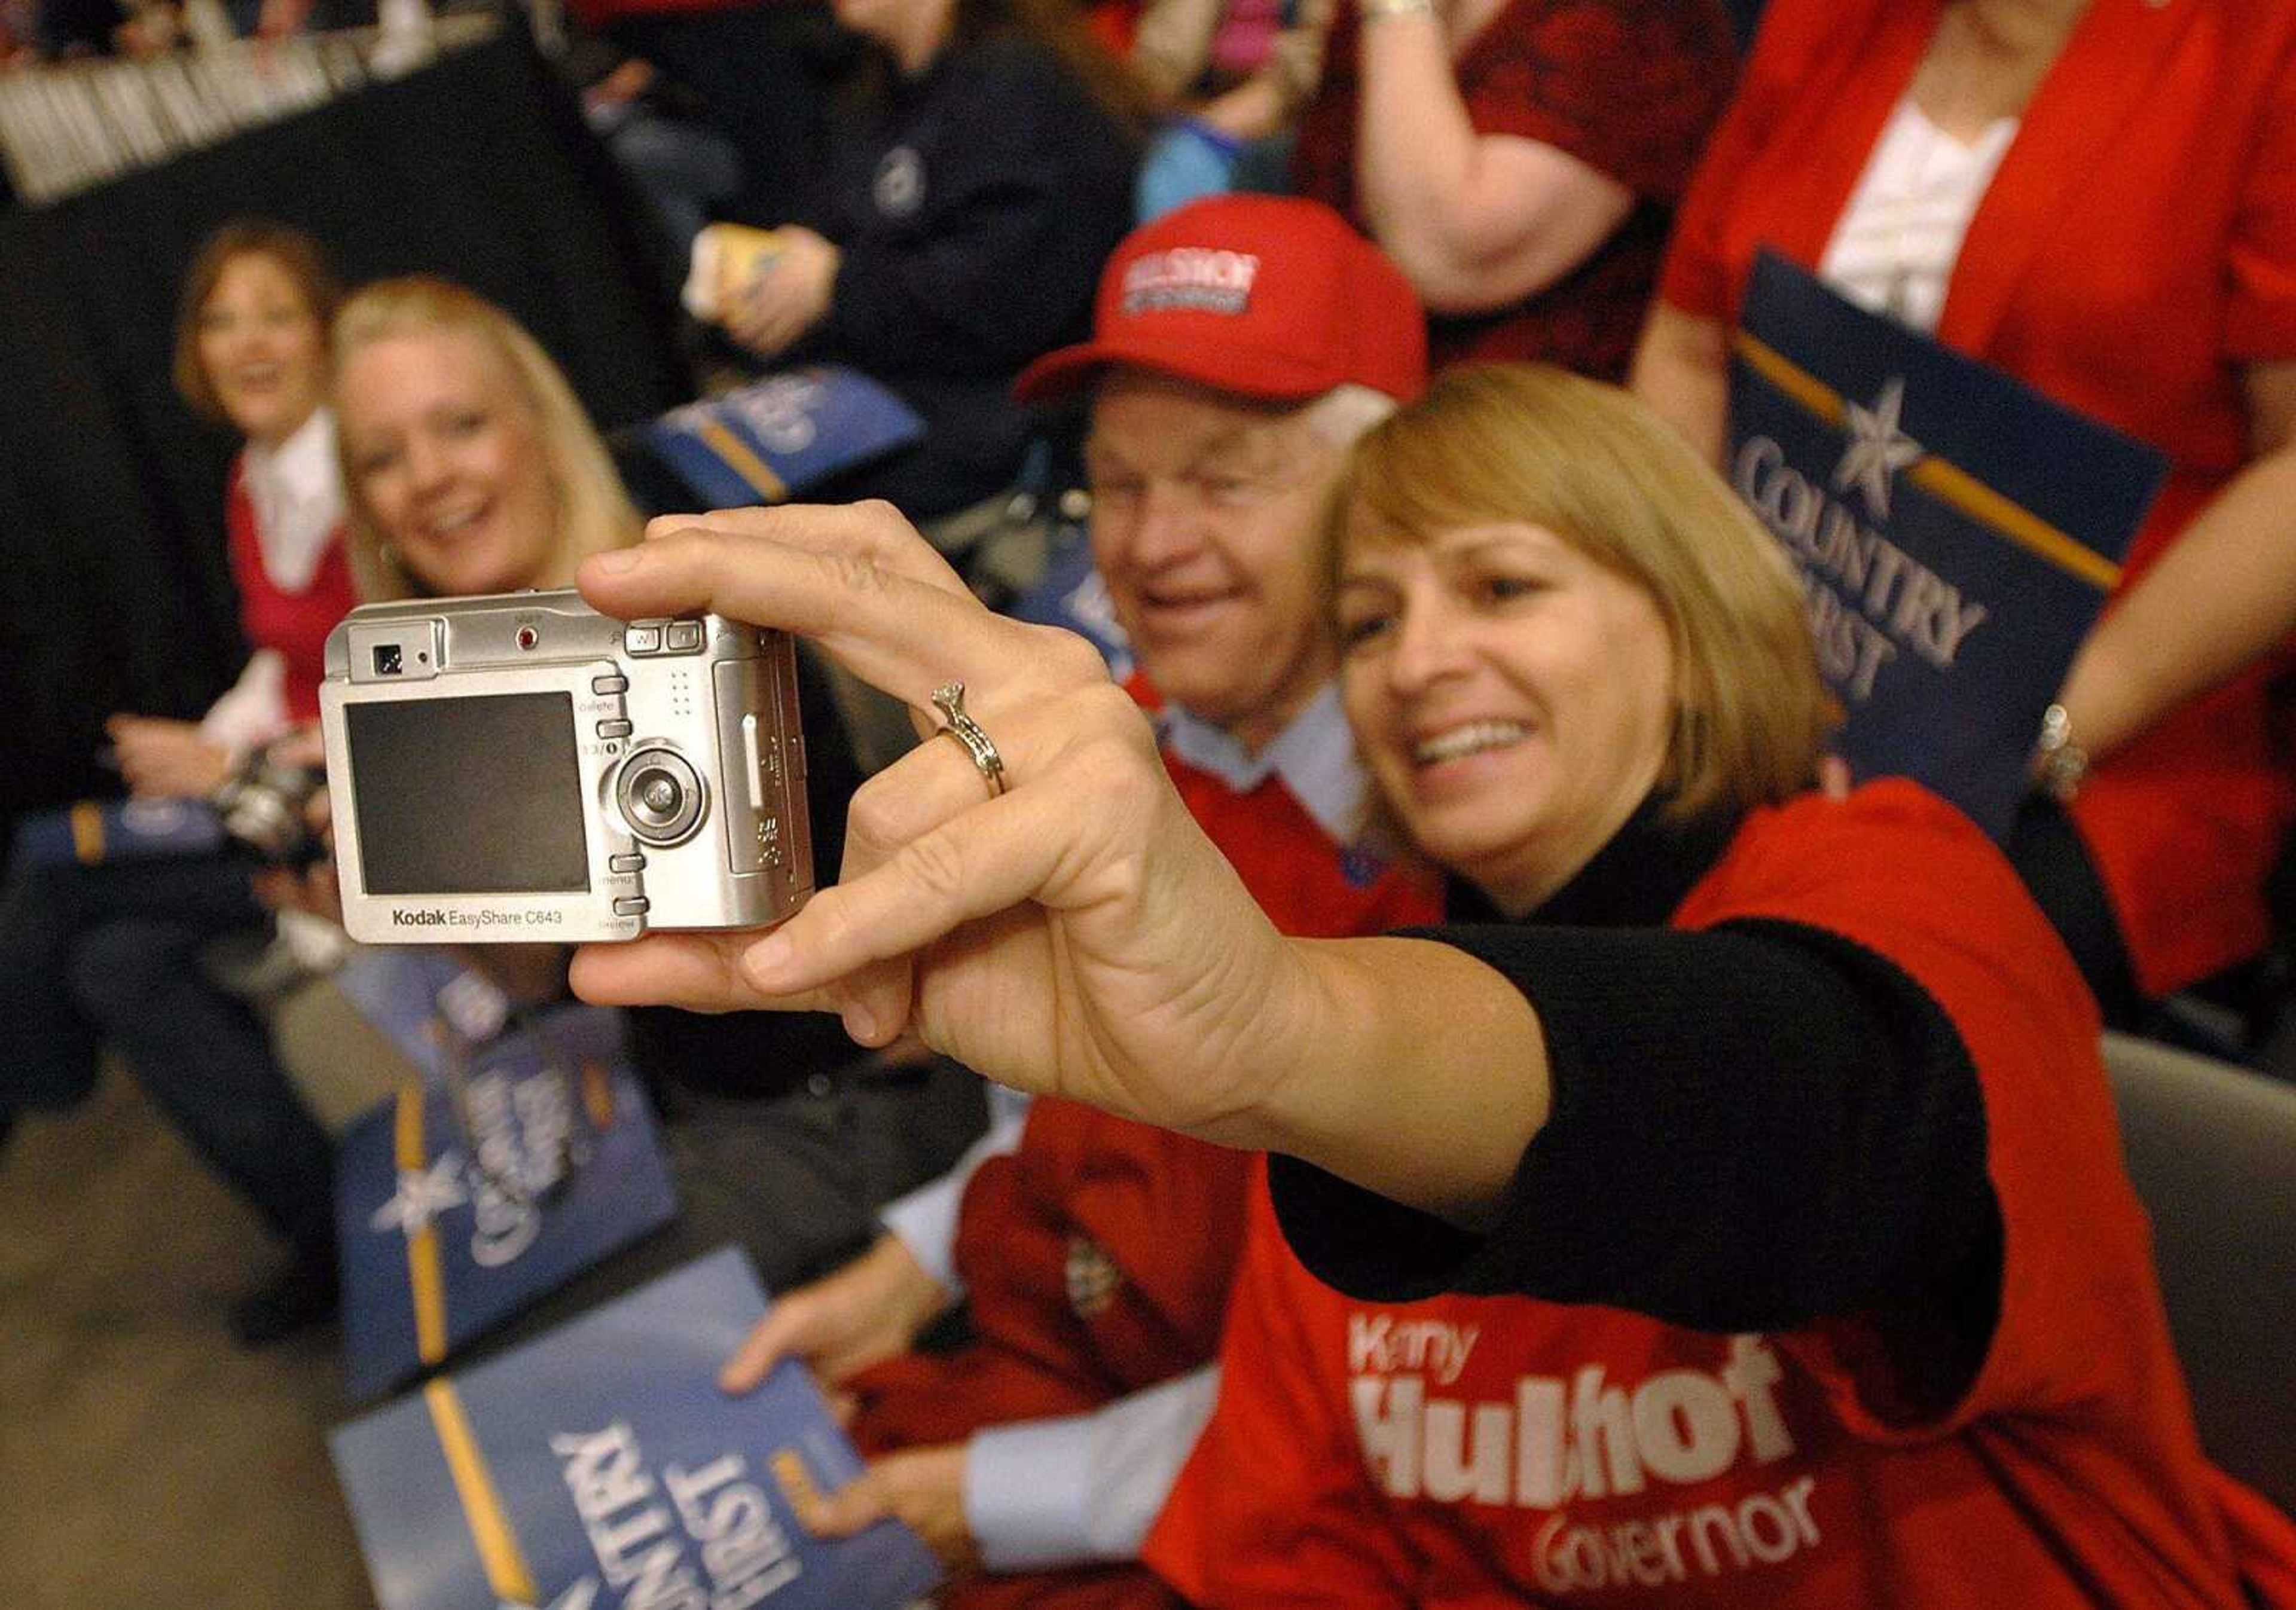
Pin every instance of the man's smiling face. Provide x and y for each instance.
(1206, 516)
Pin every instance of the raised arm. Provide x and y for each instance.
(1477, 221)
(1077, 934)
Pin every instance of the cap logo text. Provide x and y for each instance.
(1193, 279)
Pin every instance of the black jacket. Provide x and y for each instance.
(974, 206)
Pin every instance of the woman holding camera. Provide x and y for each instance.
(472, 468)
(1710, 1051)
(113, 954)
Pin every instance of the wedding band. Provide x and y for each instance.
(948, 698)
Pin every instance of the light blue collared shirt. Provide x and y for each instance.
(1315, 756)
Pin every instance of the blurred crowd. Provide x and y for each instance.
(1716, 1199)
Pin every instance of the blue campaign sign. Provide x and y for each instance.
(767, 442)
(93, 832)
(599, 1467)
(463, 1199)
(1956, 531)
(1072, 595)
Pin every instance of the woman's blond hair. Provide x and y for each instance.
(1523, 442)
(592, 511)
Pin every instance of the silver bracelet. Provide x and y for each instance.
(2063, 763)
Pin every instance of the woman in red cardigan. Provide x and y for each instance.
(111, 955)
(250, 343)
(2092, 195)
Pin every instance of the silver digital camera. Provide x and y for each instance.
(523, 769)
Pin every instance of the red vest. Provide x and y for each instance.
(295, 625)
(1467, 1453)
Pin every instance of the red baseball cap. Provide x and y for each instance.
(1263, 296)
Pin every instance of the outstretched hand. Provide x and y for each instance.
(1075, 935)
(866, 1313)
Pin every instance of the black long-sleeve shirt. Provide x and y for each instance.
(1752, 1125)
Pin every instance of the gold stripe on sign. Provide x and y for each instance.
(508, 1574)
(1941, 478)
(745, 464)
(1816, 397)
(425, 1280)
(2037, 536)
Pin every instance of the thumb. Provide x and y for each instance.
(854, 1507)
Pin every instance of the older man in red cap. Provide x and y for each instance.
(1239, 347)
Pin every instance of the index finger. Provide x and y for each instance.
(874, 531)
(901, 635)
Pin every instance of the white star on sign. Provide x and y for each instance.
(1877, 449)
(422, 1197)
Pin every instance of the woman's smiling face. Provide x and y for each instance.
(1513, 698)
(446, 455)
(261, 348)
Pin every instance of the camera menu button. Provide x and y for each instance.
(631, 905)
(626, 863)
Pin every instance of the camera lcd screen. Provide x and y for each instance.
(477, 795)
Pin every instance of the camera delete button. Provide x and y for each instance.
(609, 685)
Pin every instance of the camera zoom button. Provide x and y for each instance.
(613, 729)
(631, 905)
(609, 685)
(684, 636)
(644, 640)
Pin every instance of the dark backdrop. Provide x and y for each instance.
(114, 593)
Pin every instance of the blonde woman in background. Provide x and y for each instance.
(472, 468)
